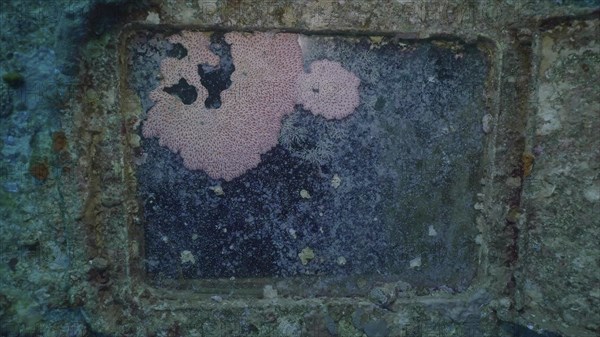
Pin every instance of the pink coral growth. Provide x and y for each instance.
(328, 90)
(228, 141)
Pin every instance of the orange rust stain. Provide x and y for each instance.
(59, 141)
(39, 170)
(527, 163)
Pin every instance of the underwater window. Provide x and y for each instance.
(285, 155)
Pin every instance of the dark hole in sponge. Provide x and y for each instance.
(217, 79)
(186, 93)
(178, 51)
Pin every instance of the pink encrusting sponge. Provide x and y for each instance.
(328, 90)
(267, 82)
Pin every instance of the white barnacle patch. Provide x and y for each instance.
(306, 255)
(336, 181)
(415, 263)
(431, 231)
(218, 190)
(187, 257)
